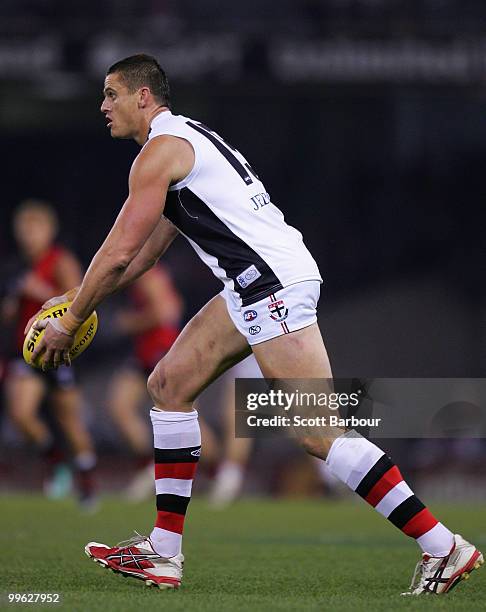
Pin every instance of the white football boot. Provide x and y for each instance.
(137, 558)
(438, 575)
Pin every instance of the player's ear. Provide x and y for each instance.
(143, 97)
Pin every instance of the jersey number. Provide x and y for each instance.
(244, 170)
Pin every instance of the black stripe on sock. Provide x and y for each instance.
(380, 468)
(177, 455)
(172, 503)
(406, 511)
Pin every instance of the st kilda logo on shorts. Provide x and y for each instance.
(278, 311)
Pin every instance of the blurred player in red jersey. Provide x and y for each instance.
(153, 321)
(49, 269)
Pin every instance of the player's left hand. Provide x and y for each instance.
(55, 344)
(57, 299)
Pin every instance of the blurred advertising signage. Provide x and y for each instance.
(25, 57)
(229, 56)
(404, 59)
(188, 59)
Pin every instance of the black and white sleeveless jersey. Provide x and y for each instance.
(225, 212)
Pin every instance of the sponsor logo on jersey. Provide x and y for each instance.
(247, 277)
(250, 315)
(254, 330)
(260, 200)
(278, 311)
(196, 453)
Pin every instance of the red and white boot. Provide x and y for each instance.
(137, 558)
(438, 575)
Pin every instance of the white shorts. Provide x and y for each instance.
(287, 310)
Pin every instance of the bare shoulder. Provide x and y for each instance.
(167, 156)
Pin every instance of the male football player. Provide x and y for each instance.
(188, 180)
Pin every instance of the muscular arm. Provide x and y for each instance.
(160, 240)
(162, 160)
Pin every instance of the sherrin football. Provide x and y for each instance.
(82, 339)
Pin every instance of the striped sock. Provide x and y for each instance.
(371, 474)
(177, 446)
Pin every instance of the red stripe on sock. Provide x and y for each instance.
(170, 521)
(420, 524)
(184, 471)
(386, 483)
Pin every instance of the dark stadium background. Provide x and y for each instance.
(366, 120)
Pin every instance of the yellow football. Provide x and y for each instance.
(82, 339)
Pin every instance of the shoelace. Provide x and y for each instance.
(136, 539)
(418, 571)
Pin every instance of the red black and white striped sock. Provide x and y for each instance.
(177, 447)
(369, 472)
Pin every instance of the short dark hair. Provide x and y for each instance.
(143, 71)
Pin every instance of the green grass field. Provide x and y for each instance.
(257, 555)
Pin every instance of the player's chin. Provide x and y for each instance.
(117, 132)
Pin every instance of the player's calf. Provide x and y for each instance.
(177, 447)
(367, 470)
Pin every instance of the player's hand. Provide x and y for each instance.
(55, 344)
(54, 301)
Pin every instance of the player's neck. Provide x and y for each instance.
(142, 137)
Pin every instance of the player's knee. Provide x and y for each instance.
(158, 387)
(154, 385)
(169, 385)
